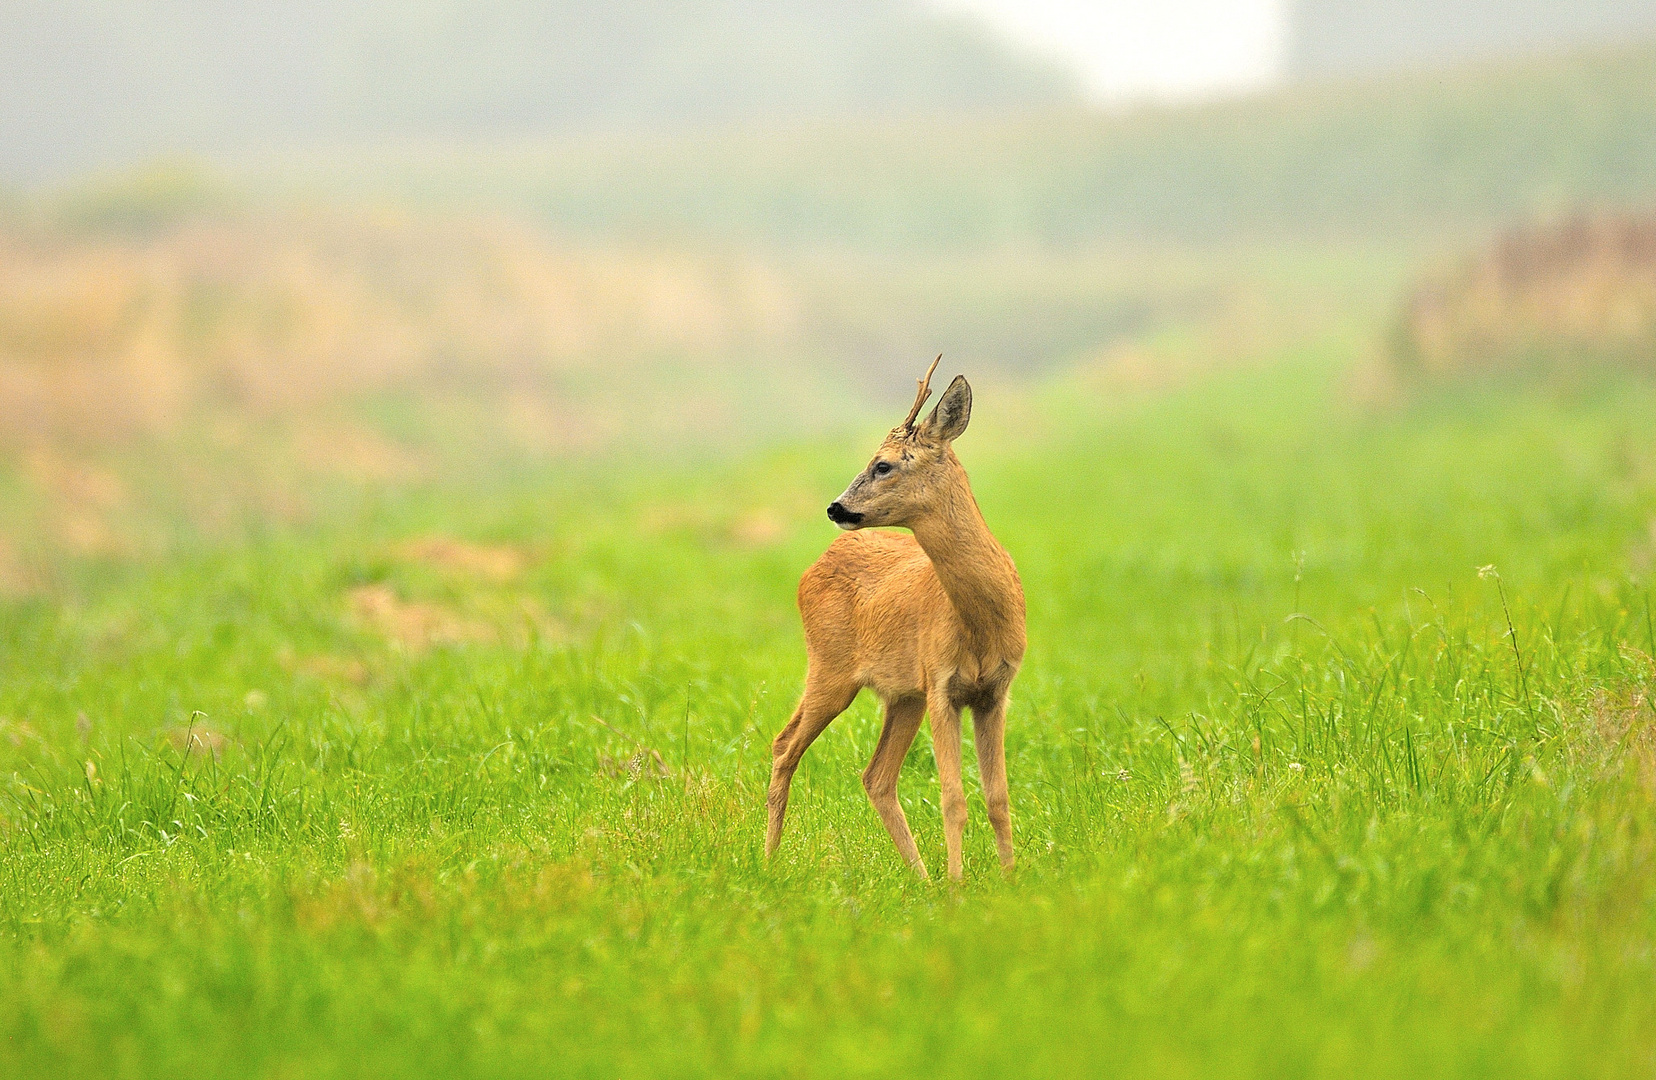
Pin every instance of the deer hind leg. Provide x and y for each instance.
(902, 722)
(945, 728)
(816, 710)
(989, 730)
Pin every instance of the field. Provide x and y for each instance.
(397, 601)
(469, 781)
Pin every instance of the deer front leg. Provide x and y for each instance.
(902, 722)
(989, 729)
(945, 728)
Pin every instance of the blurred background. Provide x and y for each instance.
(255, 259)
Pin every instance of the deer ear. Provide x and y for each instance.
(954, 409)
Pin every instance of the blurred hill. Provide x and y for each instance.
(1460, 148)
(1336, 38)
(98, 82)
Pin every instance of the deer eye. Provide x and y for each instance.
(882, 468)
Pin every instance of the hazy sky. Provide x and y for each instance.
(1148, 48)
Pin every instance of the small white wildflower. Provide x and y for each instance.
(345, 830)
(1488, 571)
(1124, 776)
(1294, 766)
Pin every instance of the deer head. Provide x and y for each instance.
(914, 467)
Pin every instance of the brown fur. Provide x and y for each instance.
(933, 623)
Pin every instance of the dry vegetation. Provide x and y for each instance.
(224, 365)
(1580, 292)
(104, 337)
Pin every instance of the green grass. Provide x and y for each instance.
(1387, 838)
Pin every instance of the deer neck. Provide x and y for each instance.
(974, 569)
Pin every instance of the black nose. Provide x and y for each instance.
(839, 515)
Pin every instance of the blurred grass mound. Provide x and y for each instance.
(230, 368)
(108, 336)
(1571, 296)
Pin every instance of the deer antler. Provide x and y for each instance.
(921, 394)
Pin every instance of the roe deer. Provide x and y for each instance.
(933, 623)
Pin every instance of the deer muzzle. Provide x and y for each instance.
(845, 519)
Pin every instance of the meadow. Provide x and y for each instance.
(1333, 755)
(397, 599)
